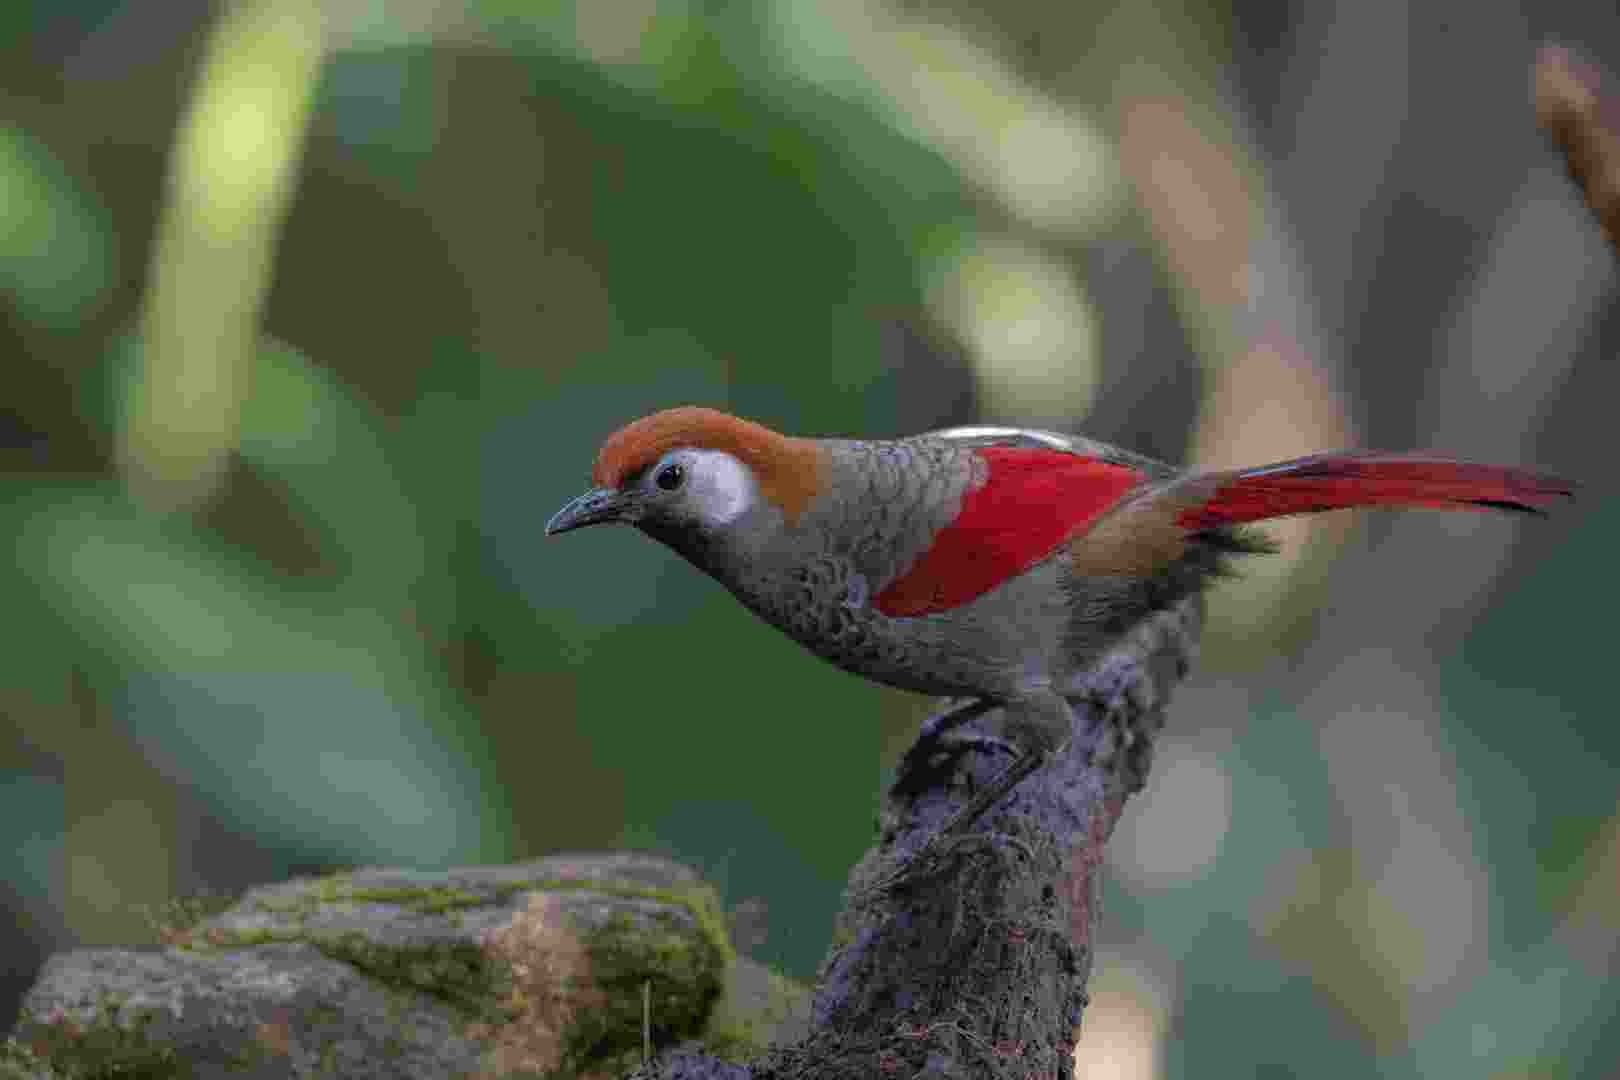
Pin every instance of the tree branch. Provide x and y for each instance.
(976, 965)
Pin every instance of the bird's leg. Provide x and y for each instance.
(938, 744)
(1040, 725)
(957, 711)
(940, 729)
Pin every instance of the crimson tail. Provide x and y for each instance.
(1335, 481)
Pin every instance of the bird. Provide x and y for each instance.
(991, 565)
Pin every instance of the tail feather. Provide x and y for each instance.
(1335, 481)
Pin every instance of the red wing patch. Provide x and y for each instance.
(1032, 500)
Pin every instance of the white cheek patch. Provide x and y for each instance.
(723, 488)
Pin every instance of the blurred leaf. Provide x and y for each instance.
(777, 225)
(56, 247)
(232, 175)
(310, 707)
(302, 426)
(322, 445)
(1528, 712)
(32, 821)
(383, 102)
(316, 720)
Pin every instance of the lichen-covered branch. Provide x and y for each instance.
(975, 964)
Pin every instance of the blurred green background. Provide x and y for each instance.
(313, 312)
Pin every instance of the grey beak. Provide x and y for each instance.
(592, 508)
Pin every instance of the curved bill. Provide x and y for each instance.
(596, 506)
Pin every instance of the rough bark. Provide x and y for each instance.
(975, 963)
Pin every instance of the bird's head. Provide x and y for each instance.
(689, 475)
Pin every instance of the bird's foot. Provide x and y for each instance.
(1040, 723)
(930, 760)
(955, 827)
(989, 795)
(940, 746)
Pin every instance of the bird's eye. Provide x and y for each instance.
(670, 477)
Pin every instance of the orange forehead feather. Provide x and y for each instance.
(786, 469)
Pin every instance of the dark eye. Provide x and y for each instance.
(670, 477)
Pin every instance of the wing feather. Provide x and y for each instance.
(1033, 498)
